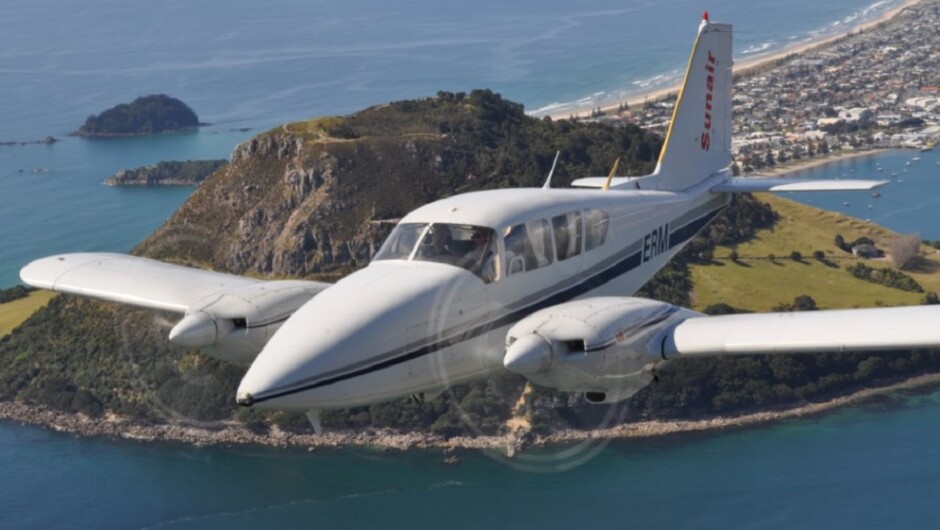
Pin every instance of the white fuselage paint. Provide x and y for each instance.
(399, 327)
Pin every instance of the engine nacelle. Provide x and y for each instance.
(234, 325)
(605, 347)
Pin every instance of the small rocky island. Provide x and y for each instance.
(145, 115)
(172, 173)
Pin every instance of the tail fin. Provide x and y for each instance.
(698, 143)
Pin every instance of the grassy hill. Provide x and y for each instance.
(756, 283)
(14, 313)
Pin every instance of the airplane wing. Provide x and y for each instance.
(226, 316)
(754, 184)
(129, 280)
(607, 347)
(895, 328)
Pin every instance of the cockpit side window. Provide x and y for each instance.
(567, 229)
(595, 223)
(528, 246)
(401, 242)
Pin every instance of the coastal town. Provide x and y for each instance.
(874, 88)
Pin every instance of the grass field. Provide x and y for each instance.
(13, 313)
(758, 284)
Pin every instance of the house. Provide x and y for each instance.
(867, 251)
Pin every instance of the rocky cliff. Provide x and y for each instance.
(317, 198)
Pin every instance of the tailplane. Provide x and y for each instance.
(698, 143)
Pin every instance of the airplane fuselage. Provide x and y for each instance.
(405, 325)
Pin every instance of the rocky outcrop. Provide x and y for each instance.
(186, 173)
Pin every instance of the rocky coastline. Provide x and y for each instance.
(518, 439)
(172, 173)
(48, 140)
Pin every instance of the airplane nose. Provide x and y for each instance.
(327, 354)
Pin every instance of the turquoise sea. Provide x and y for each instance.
(258, 64)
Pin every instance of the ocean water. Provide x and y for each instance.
(241, 63)
(872, 466)
(907, 203)
(258, 64)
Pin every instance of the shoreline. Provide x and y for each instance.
(744, 68)
(818, 162)
(229, 434)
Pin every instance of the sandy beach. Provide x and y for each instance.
(792, 167)
(744, 67)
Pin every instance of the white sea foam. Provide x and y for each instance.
(758, 48)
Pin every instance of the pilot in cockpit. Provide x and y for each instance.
(440, 243)
(480, 260)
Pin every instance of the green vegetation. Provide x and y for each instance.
(887, 277)
(145, 115)
(13, 293)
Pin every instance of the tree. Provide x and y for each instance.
(796, 256)
(804, 302)
(733, 256)
(904, 249)
(840, 241)
(819, 255)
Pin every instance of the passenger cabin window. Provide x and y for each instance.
(470, 247)
(528, 246)
(567, 230)
(595, 224)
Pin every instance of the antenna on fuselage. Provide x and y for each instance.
(610, 177)
(548, 181)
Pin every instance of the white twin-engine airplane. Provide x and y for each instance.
(535, 281)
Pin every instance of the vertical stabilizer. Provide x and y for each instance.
(698, 143)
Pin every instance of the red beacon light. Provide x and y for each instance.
(705, 16)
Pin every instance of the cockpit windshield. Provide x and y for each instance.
(467, 246)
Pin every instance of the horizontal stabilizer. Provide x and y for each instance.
(885, 329)
(598, 182)
(130, 280)
(754, 184)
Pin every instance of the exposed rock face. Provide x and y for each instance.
(310, 198)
